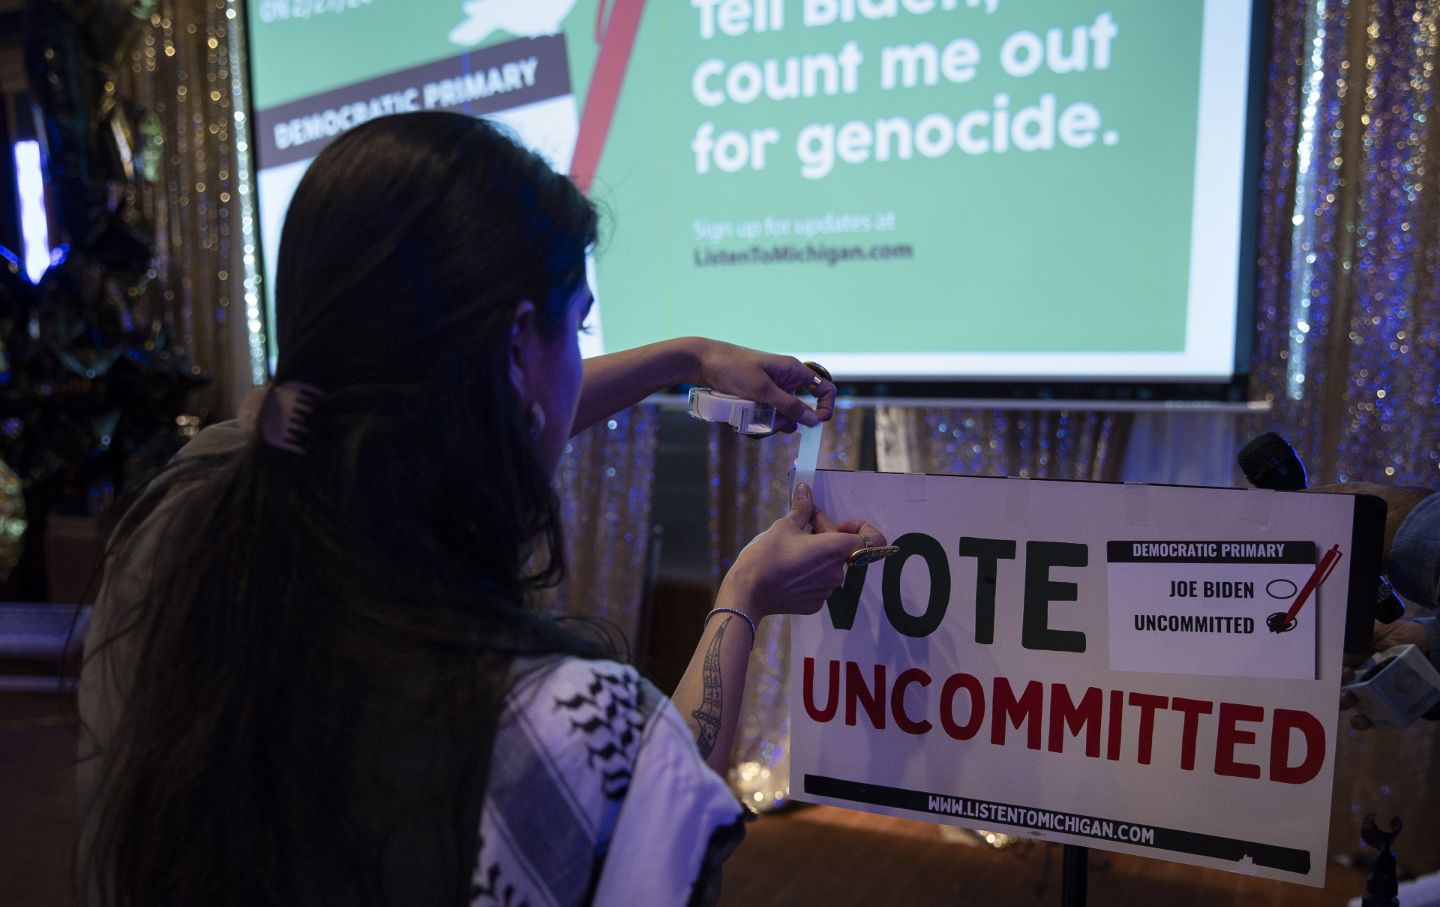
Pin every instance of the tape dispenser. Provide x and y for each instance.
(746, 416)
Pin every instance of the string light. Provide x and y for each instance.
(34, 226)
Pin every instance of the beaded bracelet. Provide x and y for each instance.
(753, 631)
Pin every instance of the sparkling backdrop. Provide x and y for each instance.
(1389, 430)
(1302, 255)
(606, 484)
(187, 67)
(1316, 168)
(1346, 313)
(1385, 424)
(1043, 444)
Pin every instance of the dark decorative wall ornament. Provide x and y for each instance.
(92, 388)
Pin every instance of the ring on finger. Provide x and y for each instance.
(821, 373)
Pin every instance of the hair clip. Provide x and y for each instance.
(280, 412)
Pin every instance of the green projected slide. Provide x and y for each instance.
(897, 188)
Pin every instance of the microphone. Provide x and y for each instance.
(1269, 461)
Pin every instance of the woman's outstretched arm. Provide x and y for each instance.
(785, 570)
(618, 380)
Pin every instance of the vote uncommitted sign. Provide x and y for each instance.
(1148, 669)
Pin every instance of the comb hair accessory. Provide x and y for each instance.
(280, 412)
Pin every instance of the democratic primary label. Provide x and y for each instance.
(1221, 608)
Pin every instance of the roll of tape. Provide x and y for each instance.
(746, 416)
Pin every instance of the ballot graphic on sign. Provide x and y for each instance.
(1206, 607)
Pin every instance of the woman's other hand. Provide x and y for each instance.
(766, 378)
(787, 570)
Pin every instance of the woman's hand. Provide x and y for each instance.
(786, 570)
(766, 378)
(617, 380)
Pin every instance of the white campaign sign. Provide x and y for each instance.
(1147, 669)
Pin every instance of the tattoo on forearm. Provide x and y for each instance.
(712, 702)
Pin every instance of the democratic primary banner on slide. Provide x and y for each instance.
(1146, 669)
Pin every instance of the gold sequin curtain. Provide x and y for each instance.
(1347, 341)
(187, 67)
(1039, 444)
(749, 490)
(606, 487)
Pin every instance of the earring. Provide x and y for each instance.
(535, 416)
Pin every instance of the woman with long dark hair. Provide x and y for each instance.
(312, 676)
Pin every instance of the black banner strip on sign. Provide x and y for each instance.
(1229, 551)
(1272, 856)
(482, 81)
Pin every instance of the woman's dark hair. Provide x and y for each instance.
(317, 646)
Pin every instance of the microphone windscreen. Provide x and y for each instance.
(1269, 461)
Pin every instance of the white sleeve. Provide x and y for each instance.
(675, 805)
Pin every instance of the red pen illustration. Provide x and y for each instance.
(1281, 621)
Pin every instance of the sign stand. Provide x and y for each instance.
(1074, 875)
(1381, 888)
